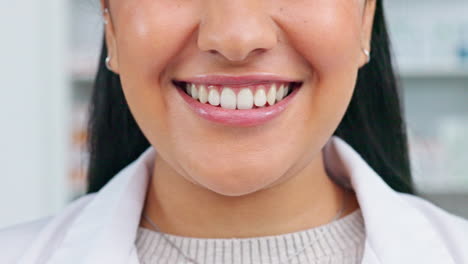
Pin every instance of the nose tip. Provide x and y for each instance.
(236, 35)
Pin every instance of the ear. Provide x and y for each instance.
(366, 32)
(110, 36)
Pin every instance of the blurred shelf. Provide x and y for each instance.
(83, 79)
(431, 73)
(454, 202)
(83, 67)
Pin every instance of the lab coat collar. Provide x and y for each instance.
(105, 229)
(396, 231)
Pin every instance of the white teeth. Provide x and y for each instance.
(194, 91)
(203, 94)
(245, 99)
(228, 98)
(271, 95)
(280, 93)
(286, 90)
(213, 97)
(188, 88)
(260, 97)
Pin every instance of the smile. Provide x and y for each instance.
(241, 98)
(240, 103)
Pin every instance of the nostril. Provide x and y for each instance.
(258, 50)
(236, 56)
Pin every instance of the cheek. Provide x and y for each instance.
(148, 36)
(327, 34)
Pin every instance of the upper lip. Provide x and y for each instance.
(237, 80)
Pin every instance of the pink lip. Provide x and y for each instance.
(242, 118)
(237, 80)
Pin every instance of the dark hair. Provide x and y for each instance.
(373, 124)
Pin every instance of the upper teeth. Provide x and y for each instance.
(246, 97)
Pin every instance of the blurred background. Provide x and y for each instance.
(49, 55)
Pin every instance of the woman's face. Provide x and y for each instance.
(317, 42)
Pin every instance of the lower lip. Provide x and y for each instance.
(242, 118)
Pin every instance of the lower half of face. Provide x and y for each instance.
(161, 50)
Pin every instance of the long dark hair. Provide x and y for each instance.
(373, 124)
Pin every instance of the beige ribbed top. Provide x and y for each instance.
(338, 242)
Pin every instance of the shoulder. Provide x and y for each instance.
(452, 229)
(18, 238)
(15, 239)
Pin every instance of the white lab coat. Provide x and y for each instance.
(100, 228)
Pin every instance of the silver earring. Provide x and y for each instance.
(106, 11)
(108, 58)
(367, 52)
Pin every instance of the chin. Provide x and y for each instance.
(236, 182)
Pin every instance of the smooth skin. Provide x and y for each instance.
(217, 181)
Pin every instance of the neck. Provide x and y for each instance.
(306, 200)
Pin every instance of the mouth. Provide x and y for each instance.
(238, 97)
(237, 101)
